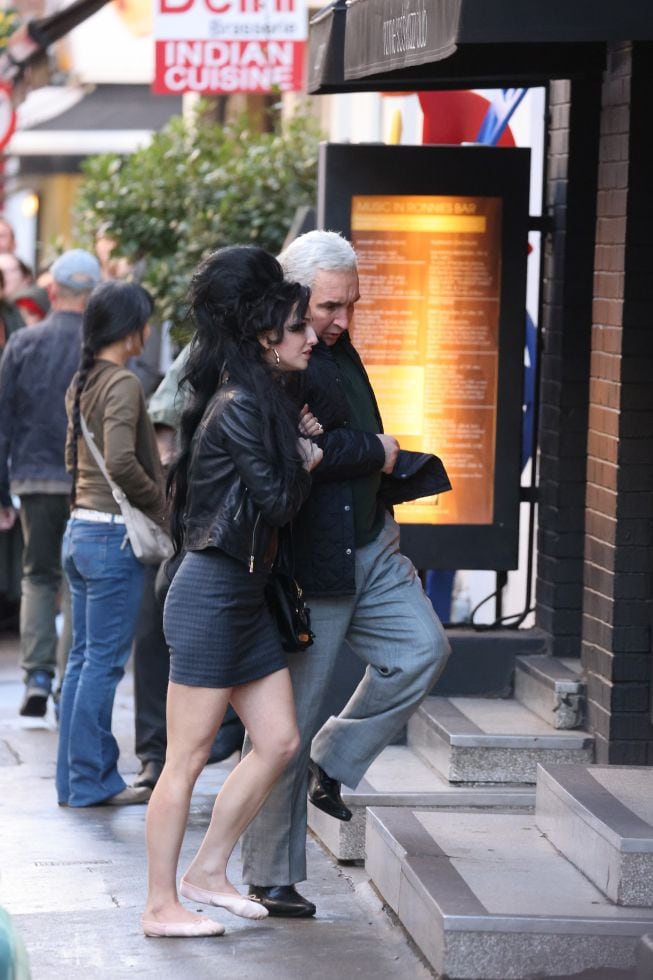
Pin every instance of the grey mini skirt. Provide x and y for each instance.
(217, 624)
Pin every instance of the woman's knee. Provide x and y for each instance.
(287, 746)
(187, 762)
(293, 744)
(281, 749)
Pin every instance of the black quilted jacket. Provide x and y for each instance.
(323, 531)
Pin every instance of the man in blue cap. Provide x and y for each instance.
(36, 368)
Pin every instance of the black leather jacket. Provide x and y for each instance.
(236, 499)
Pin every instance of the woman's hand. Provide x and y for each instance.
(308, 424)
(310, 453)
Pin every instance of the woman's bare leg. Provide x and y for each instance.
(267, 710)
(194, 715)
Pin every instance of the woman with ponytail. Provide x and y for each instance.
(105, 578)
(242, 473)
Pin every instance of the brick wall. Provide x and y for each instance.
(616, 643)
(567, 320)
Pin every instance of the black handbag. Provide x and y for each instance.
(285, 598)
(290, 613)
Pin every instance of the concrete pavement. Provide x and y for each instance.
(74, 881)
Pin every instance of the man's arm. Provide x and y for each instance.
(350, 453)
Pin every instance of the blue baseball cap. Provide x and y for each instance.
(77, 270)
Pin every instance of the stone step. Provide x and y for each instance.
(478, 740)
(601, 819)
(552, 689)
(398, 777)
(486, 897)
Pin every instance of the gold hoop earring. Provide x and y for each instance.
(277, 359)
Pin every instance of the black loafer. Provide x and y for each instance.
(149, 774)
(324, 793)
(282, 900)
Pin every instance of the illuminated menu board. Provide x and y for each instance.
(441, 234)
(427, 328)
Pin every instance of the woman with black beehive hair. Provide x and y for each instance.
(242, 473)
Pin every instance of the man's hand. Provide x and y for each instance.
(310, 453)
(391, 449)
(7, 518)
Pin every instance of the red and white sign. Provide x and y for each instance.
(227, 46)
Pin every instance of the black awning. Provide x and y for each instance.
(327, 48)
(430, 44)
(383, 35)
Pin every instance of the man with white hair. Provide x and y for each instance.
(359, 587)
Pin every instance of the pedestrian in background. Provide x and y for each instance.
(105, 578)
(151, 655)
(7, 236)
(11, 542)
(33, 304)
(35, 371)
(11, 318)
(17, 274)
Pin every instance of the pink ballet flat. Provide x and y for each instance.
(233, 903)
(182, 930)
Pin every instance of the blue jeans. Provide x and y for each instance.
(106, 584)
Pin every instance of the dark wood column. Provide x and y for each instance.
(567, 320)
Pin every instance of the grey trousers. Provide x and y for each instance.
(390, 624)
(43, 518)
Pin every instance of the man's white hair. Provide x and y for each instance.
(317, 250)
